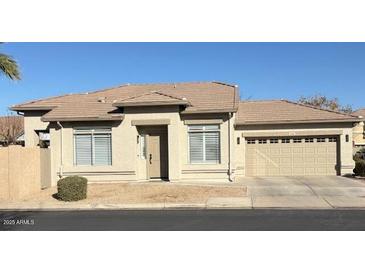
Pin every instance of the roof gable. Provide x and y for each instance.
(151, 98)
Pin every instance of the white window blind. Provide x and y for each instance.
(83, 148)
(93, 147)
(204, 144)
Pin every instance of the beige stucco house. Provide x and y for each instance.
(196, 132)
(359, 130)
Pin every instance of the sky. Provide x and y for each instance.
(262, 70)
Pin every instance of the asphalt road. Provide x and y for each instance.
(186, 220)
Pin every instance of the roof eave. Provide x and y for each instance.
(187, 111)
(244, 123)
(25, 108)
(81, 119)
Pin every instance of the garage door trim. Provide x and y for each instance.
(291, 133)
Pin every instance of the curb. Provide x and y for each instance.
(157, 206)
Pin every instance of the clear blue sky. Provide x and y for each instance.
(262, 70)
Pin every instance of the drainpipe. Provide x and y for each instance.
(230, 115)
(61, 166)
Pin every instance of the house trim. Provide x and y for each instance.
(291, 133)
(151, 122)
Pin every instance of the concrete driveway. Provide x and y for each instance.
(305, 192)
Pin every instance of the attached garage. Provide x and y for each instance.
(307, 155)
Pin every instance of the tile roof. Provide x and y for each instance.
(360, 112)
(152, 98)
(283, 111)
(201, 96)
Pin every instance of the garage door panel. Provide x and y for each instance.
(297, 171)
(321, 150)
(275, 151)
(287, 159)
(298, 150)
(310, 150)
(273, 172)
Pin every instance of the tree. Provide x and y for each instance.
(10, 129)
(324, 102)
(9, 67)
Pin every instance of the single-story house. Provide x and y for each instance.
(359, 130)
(197, 132)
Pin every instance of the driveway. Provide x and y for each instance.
(305, 192)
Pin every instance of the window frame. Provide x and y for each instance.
(204, 130)
(251, 141)
(274, 141)
(92, 131)
(297, 140)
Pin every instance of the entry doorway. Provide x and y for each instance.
(157, 152)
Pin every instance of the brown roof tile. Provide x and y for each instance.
(201, 96)
(151, 98)
(282, 111)
(360, 112)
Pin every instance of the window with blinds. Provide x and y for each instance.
(92, 147)
(204, 144)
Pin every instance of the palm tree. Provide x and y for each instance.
(9, 67)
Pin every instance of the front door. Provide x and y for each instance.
(157, 156)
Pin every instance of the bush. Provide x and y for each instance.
(360, 168)
(72, 188)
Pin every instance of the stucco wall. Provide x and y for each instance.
(127, 164)
(206, 172)
(341, 129)
(32, 122)
(21, 173)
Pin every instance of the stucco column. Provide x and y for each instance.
(347, 163)
(174, 155)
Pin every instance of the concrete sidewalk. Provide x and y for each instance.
(249, 202)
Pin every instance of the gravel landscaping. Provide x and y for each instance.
(146, 193)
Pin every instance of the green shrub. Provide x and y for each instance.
(72, 188)
(360, 168)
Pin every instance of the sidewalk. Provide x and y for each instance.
(249, 202)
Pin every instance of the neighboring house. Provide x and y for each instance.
(359, 130)
(197, 132)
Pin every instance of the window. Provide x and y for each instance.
(321, 140)
(262, 141)
(142, 148)
(92, 147)
(297, 140)
(274, 141)
(251, 141)
(309, 140)
(285, 141)
(332, 139)
(204, 144)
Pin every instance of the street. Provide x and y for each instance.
(185, 220)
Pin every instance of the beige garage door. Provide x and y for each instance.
(291, 156)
